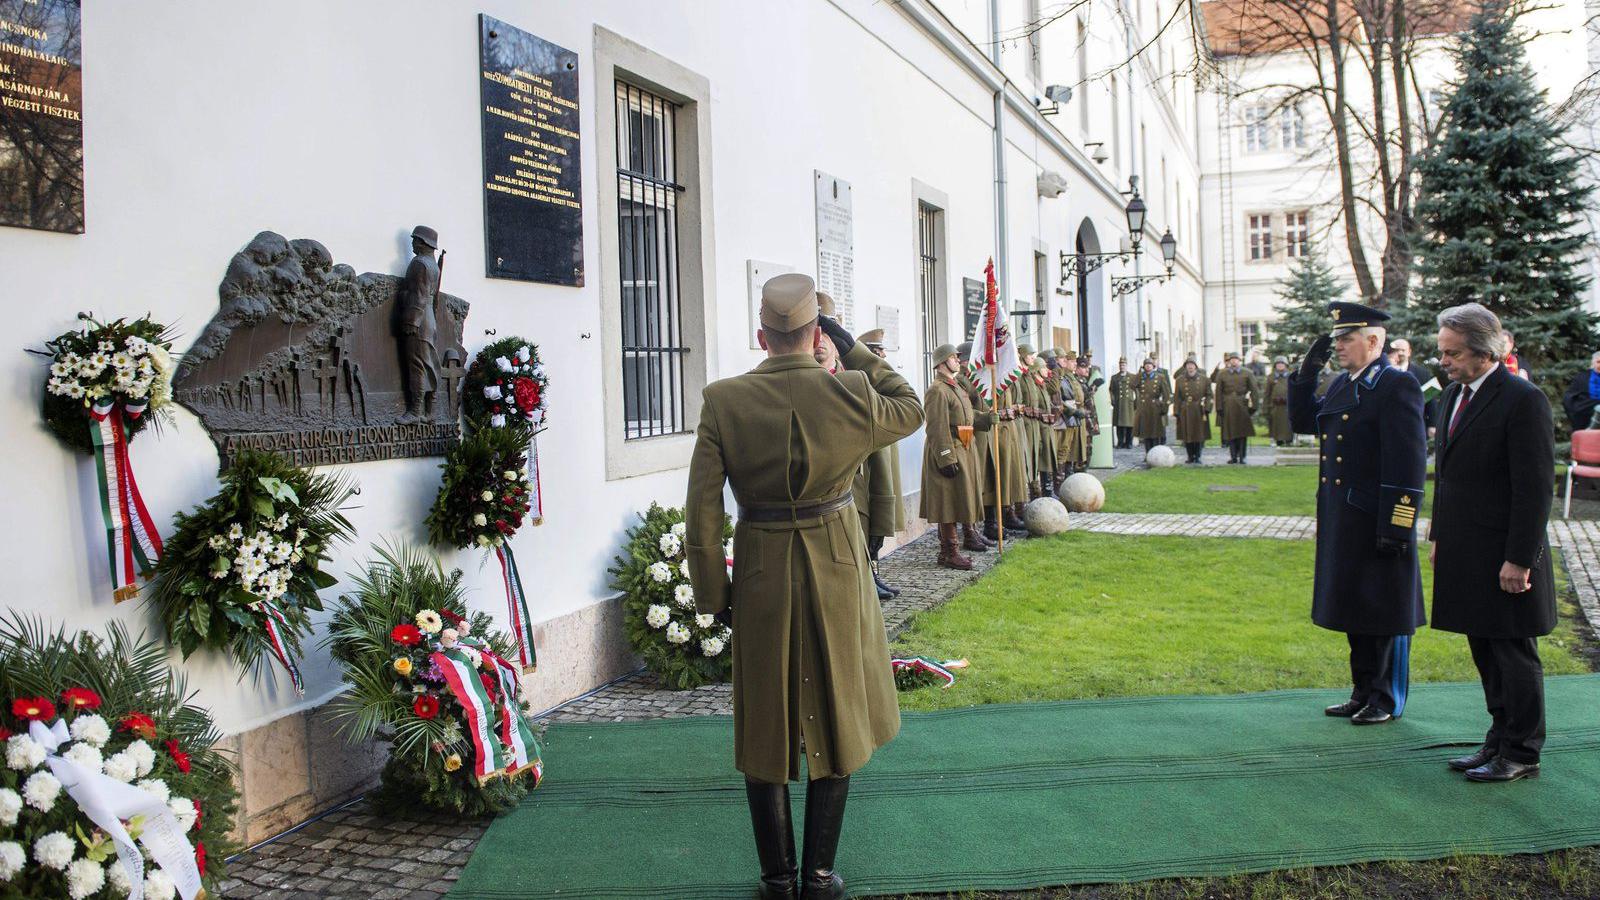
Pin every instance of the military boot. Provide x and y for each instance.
(949, 557)
(825, 799)
(991, 530)
(979, 529)
(971, 540)
(774, 833)
(1013, 520)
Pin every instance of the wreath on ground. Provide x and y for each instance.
(505, 386)
(433, 681)
(121, 363)
(683, 649)
(241, 572)
(104, 717)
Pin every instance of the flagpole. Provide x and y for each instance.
(994, 436)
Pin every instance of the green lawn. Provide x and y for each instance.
(1084, 615)
(1279, 491)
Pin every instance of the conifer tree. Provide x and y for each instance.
(1303, 306)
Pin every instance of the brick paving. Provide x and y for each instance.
(354, 853)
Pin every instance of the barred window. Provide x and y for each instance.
(647, 229)
(1260, 231)
(1297, 233)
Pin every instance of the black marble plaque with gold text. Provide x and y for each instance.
(41, 115)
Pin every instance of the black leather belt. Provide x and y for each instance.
(786, 512)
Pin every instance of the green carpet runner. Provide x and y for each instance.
(1012, 797)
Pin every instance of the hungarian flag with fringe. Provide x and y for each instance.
(992, 344)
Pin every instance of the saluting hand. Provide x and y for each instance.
(1317, 356)
(1515, 579)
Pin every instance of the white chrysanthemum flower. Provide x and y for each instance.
(54, 850)
(143, 756)
(669, 544)
(684, 594)
(661, 572)
(57, 386)
(281, 522)
(85, 754)
(136, 345)
(156, 787)
(677, 634)
(105, 346)
(95, 364)
(23, 753)
(75, 391)
(41, 790)
(121, 767)
(429, 621)
(680, 530)
(711, 646)
(117, 875)
(121, 361)
(705, 621)
(85, 877)
(235, 532)
(59, 369)
(657, 616)
(683, 567)
(182, 810)
(11, 859)
(91, 728)
(479, 519)
(158, 885)
(10, 806)
(217, 542)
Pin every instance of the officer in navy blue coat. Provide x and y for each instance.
(1374, 459)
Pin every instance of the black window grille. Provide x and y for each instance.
(928, 280)
(647, 228)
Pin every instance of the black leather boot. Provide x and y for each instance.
(824, 820)
(991, 530)
(885, 590)
(774, 832)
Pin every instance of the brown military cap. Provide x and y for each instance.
(825, 304)
(788, 302)
(873, 338)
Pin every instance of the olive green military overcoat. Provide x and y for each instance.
(1236, 400)
(958, 499)
(1124, 398)
(1277, 400)
(1012, 462)
(1073, 440)
(1150, 413)
(810, 661)
(877, 492)
(1191, 407)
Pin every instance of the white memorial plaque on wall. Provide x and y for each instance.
(836, 247)
(758, 273)
(889, 321)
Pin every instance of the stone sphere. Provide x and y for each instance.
(1161, 457)
(1082, 493)
(1045, 516)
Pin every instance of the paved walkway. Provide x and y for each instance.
(353, 852)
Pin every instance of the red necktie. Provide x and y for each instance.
(1455, 420)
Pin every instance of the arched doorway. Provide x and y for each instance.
(1090, 291)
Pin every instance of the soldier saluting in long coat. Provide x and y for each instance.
(811, 675)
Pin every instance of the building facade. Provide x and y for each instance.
(711, 134)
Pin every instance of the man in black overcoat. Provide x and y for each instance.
(1374, 459)
(1492, 577)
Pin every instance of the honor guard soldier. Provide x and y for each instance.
(811, 675)
(1236, 402)
(1277, 401)
(877, 489)
(982, 436)
(1124, 398)
(1191, 408)
(1073, 435)
(951, 466)
(1154, 393)
(1374, 458)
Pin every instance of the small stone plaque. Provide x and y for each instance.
(836, 246)
(532, 196)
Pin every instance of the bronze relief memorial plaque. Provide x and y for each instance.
(307, 359)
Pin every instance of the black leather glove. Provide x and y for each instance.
(949, 470)
(1317, 356)
(836, 333)
(1388, 546)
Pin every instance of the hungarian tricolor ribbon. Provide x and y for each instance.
(924, 665)
(515, 732)
(271, 618)
(461, 676)
(517, 601)
(132, 543)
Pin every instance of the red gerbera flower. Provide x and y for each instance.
(140, 724)
(526, 392)
(425, 707)
(178, 756)
(197, 814)
(80, 698)
(200, 856)
(30, 709)
(406, 634)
